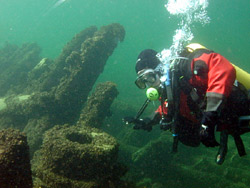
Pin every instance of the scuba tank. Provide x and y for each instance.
(242, 76)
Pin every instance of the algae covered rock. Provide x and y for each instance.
(72, 153)
(15, 169)
(98, 105)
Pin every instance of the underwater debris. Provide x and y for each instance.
(15, 169)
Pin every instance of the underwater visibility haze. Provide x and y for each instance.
(44, 86)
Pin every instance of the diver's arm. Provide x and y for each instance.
(148, 122)
(154, 119)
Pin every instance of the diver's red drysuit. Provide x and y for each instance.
(212, 76)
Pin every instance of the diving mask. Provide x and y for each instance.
(147, 78)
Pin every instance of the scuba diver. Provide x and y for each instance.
(199, 93)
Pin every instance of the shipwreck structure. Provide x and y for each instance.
(49, 99)
(81, 155)
(56, 91)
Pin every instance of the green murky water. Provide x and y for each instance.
(51, 24)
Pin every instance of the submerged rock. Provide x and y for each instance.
(15, 169)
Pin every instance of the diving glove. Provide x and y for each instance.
(207, 136)
(166, 124)
(128, 120)
(143, 124)
(208, 122)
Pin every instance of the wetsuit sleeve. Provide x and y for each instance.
(221, 76)
(216, 75)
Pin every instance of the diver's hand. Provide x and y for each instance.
(128, 120)
(207, 136)
(166, 124)
(143, 124)
(138, 123)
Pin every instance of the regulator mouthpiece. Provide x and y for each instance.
(152, 94)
